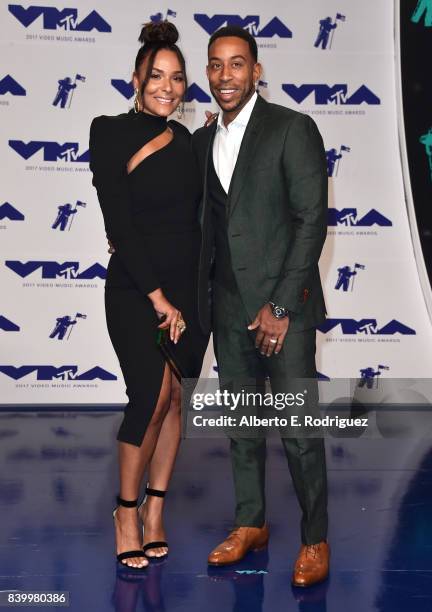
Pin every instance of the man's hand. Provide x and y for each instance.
(271, 331)
(210, 117)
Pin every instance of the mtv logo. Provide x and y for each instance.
(48, 372)
(55, 19)
(194, 92)
(52, 151)
(366, 327)
(7, 211)
(9, 85)
(331, 94)
(68, 270)
(251, 23)
(348, 217)
(7, 325)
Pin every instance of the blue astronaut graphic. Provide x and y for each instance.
(66, 89)
(426, 140)
(346, 276)
(326, 31)
(65, 215)
(423, 8)
(333, 159)
(160, 16)
(369, 376)
(63, 324)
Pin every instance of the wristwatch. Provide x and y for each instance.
(279, 311)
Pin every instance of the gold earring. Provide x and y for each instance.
(180, 110)
(136, 102)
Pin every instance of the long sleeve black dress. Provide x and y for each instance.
(151, 217)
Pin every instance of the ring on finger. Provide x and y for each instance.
(273, 340)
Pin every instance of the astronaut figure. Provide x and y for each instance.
(65, 87)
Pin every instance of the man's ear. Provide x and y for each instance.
(257, 71)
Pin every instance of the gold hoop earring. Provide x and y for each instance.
(136, 102)
(180, 110)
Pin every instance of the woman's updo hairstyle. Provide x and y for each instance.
(155, 36)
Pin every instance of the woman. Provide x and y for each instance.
(149, 189)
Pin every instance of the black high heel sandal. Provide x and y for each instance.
(130, 553)
(150, 545)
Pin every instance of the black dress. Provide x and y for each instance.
(151, 217)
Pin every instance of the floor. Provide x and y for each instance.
(57, 490)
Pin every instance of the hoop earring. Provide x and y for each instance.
(180, 110)
(136, 102)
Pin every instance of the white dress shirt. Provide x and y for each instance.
(226, 145)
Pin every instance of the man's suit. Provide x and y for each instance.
(261, 243)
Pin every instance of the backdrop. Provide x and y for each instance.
(60, 67)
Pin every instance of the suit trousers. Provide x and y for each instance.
(239, 361)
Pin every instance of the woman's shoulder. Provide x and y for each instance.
(106, 130)
(180, 128)
(109, 121)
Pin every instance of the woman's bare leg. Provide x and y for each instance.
(132, 464)
(160, 470)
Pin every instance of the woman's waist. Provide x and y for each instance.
(150, 227)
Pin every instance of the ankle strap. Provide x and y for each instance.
(155, 492)
(126, 503)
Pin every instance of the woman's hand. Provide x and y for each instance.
(111, 247)
(172, 317)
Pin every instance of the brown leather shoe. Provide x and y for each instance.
(312, 565)
(239, 542)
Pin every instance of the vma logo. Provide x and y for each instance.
(334, 158)
(51, 269)
(369, 376)
(331, 94)
(7, 211)
(52, 151)
(48, 372)
(7, 325)
(9, 85)
(194, 91)
(368, 327)
(65, 215)
(64, 325)
(158, 17)
(59, 19)
(348, 217)
(251, 23)
(326, 31)
(65, 90)
(346, 277)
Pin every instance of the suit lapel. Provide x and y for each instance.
(246, 153)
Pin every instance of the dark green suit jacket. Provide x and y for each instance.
(277, 214)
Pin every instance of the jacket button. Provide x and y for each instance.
(241, 269)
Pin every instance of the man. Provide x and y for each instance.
(264, 224)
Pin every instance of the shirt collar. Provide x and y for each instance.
(242, 118)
